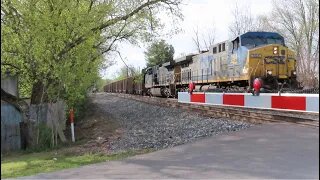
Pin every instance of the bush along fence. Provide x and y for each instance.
(45, 125)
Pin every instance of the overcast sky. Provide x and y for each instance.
(201, 13)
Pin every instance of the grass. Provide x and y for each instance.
(22, 164)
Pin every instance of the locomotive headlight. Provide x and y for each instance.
(294, 73)
(269, 72)
(275, 50)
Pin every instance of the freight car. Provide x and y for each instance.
(228, 65)
(130, 85)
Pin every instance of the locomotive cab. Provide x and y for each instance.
(269, 59)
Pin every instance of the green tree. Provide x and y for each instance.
(100, 83)
(125, 72)
(159, 52)
(57, 46)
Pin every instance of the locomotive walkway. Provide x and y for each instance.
(265, 151)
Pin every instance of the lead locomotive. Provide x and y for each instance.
(228, 65)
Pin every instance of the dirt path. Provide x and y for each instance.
(95, 130)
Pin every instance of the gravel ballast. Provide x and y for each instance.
(151, 126)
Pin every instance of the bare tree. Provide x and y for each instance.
(298, 22)
(262, 23)
(243, 21)
(207, 38)
(196, 39)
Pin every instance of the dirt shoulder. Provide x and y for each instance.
(94, 131)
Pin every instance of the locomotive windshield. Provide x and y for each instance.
(254, 39)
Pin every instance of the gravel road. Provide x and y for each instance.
(152, 126)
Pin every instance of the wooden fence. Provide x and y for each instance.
(10, 127)
(17, 133)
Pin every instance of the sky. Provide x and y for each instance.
(197, 13)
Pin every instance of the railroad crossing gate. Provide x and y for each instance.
(288, 102)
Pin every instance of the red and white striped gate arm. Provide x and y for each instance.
(294, 102)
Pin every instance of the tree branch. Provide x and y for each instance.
(11, 65)
(110, 22)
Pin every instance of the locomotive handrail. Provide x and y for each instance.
(255, 70)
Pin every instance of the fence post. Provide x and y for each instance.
(72, 124)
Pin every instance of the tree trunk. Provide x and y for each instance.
(38, 94)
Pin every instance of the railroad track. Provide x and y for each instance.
(252, 115)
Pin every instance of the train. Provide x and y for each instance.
(231, 65)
